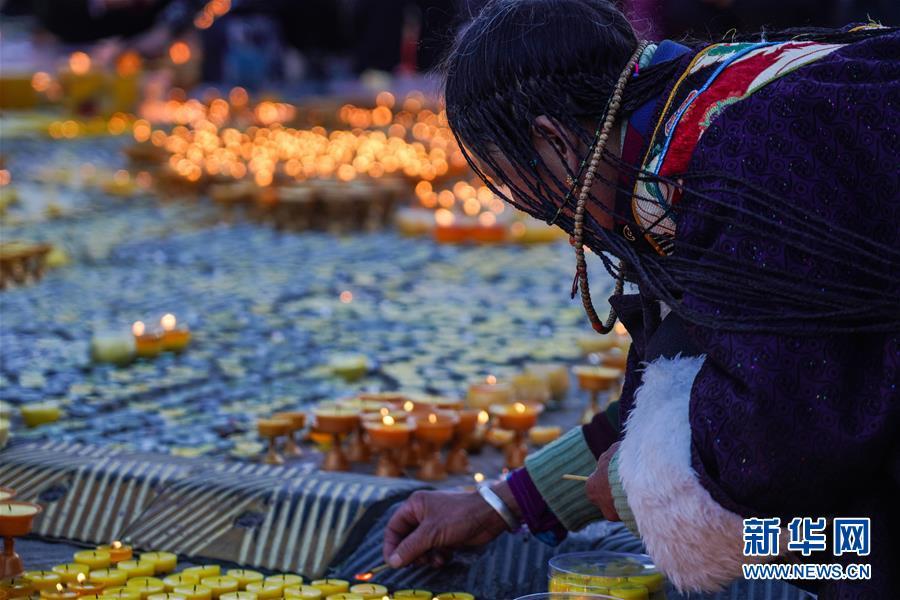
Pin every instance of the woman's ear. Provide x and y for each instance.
(550, 141)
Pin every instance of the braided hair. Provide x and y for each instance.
(499, 78)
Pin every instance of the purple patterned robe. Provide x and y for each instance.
(801, 426)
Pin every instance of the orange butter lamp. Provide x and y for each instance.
(16, 520)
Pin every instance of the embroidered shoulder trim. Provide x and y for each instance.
(719, 76)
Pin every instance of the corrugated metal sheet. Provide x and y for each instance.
(278, 518)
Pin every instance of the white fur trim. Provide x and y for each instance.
(692, 539)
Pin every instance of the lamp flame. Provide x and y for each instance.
(138, 330)
(80, 63)
(168, 321)
(388, 420)
(368, 575)
(520, 408)
(484, 417)
(432, 418)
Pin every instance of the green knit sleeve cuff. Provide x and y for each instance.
(567, 499)
(619, 498)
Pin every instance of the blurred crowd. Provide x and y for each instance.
(247, 40)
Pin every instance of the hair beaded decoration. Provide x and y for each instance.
(581, 275)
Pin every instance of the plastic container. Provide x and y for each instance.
(564, 596)
(611, 574)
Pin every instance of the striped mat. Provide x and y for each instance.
(277, 518)
(273, 519)
(89, 493)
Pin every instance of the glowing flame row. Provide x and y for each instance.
(167, 322)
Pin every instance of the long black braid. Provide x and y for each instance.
(500, 77)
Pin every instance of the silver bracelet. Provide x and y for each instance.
(497, 503)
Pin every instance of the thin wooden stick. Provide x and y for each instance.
(572, 477)
(372, 573)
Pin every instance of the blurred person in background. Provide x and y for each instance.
(248, 39)
(147, 24)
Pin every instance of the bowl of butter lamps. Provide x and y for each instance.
(617, 575)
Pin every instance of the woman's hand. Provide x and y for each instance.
(597, 486)
(430, 525)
